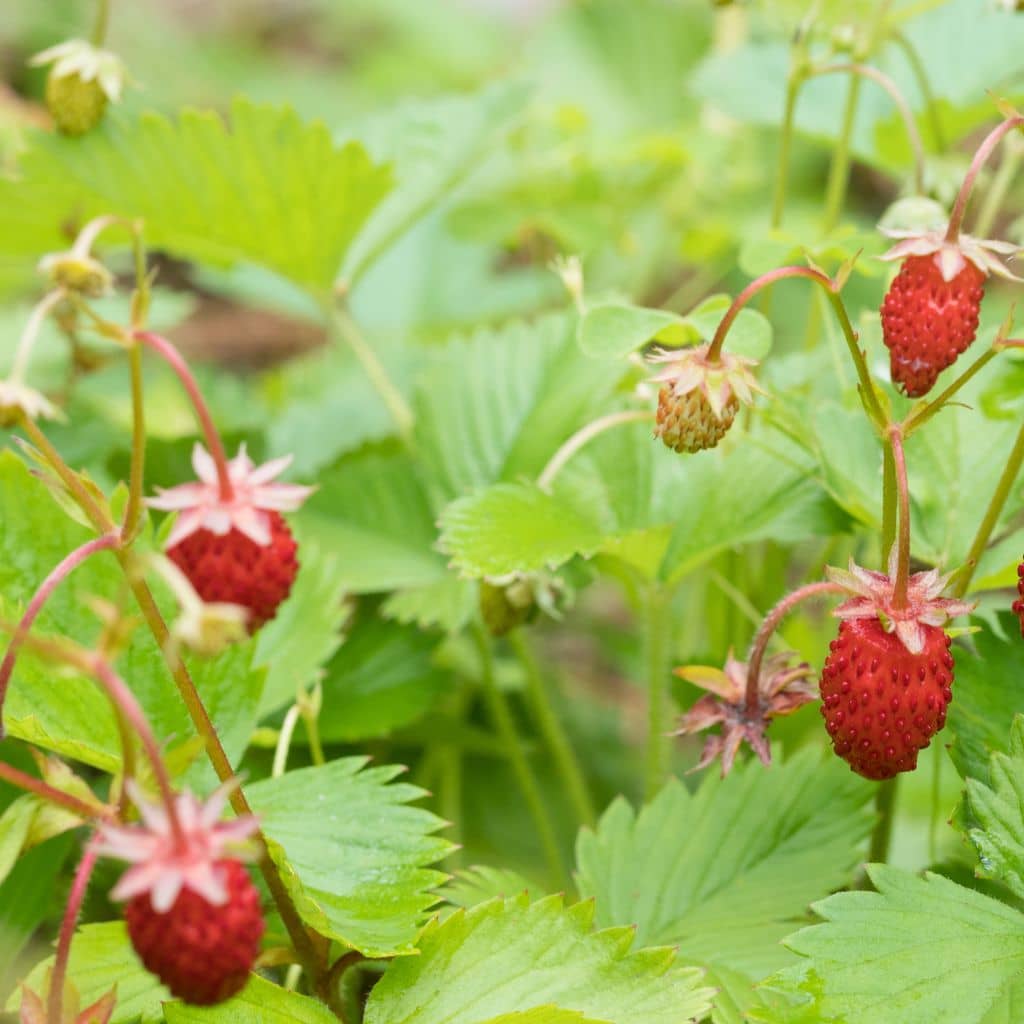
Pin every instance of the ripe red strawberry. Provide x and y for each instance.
(882, 704)
(201, 952)
(888, 677)
(234, 569)
(927, 321)
(1018, 605)
(699, 397)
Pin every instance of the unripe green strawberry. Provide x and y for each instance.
(503, 608)
(687, 423)
(75, 105)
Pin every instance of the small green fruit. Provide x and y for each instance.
(76, 105)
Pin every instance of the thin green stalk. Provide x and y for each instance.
(888, 501)
(99, 26)
(992, 513)
(881, 837)
(450, 794)
(400, 411)
(133, 511)
(923, 412)
(1006, 176)
(657, 623)
(923, 83)
(553, 732)
(903, 534)
(794, 83)
(839, 171)
(316, 747)
(505, 725)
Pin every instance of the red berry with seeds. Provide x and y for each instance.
(928, 321)
(882, 704)
(202, 952)
(1018, 605)
(234, 569)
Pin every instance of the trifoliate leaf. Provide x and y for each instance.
(353, 854)
(724, 872)
(509, 956)
(917, 951)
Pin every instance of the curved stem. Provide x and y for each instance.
(55, 1003)
(553, 732)
(839, 171)
(903, 537)
(133, 511)
(768, 627)
(503, 722)
(173, 358)
(923, 83)
(582, 437)
(657, 656)
(35, 606)
(794, 83)
(43, 790)
(992, 513)
(23, 352)
(910, 126)
(984, 151)
(99, 29)
(83, 244)
(284, 742)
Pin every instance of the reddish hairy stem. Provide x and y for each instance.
(768, 627)
(49, 793)
(984, 151)
(903, 536)
(55, 1003)
(173, 358)
(35, 606)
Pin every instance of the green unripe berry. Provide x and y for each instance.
(76, 105)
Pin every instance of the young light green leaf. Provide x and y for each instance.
(514, 527)
(354, 855)
(611, 330)
(266, 187)
(917, 951)
(102, 957)
(725, 871)
(509, 956)
(998, 809)
(260, 1002)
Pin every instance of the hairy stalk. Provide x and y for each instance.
(64, 568)
(55, 1002)
(173, 358)
(899, 594)
(925, 85)
(768, 627)
(657, 655)
(794, 83)
(133, 510)
(984, 151)
(99, 26)
(400, 411)
(43, 790)
(582, 437)
(909, 124)
(992, 513)
(553, 732)
(1005, 177)
(505, 725)
(881, 837)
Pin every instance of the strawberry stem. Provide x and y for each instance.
(35, 606)
(43, 790)
(582, 437)
(99, 27)
(173, 358)
(55, 1002)
(909, 124)
(924, 84)
(769, 625)
(984, 151)
(888, 501)
(28, 336)
(924, 411)
(903, 537)
(136, 470)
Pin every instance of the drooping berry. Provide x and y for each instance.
(202, 952)
(928, 321)
(193, 914)
(235, 547)
(1018, 605)
(699, 397)
(236, 570)
(881, 703)
(81, 82)
(888, 677)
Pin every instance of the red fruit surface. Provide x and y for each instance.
(201, 952)
(235, 569)
(882, 704)
(1018, 605)
(927, 321)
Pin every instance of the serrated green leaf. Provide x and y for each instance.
(481, 883)
(509, 956)
(447, 604)
(102, 957)
(677, 872)
(267, 188)
(998, 810)
(514, 527)
(917, 951)
(260, 1002)
(354, 853)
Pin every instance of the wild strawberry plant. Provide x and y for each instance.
(524, 480)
